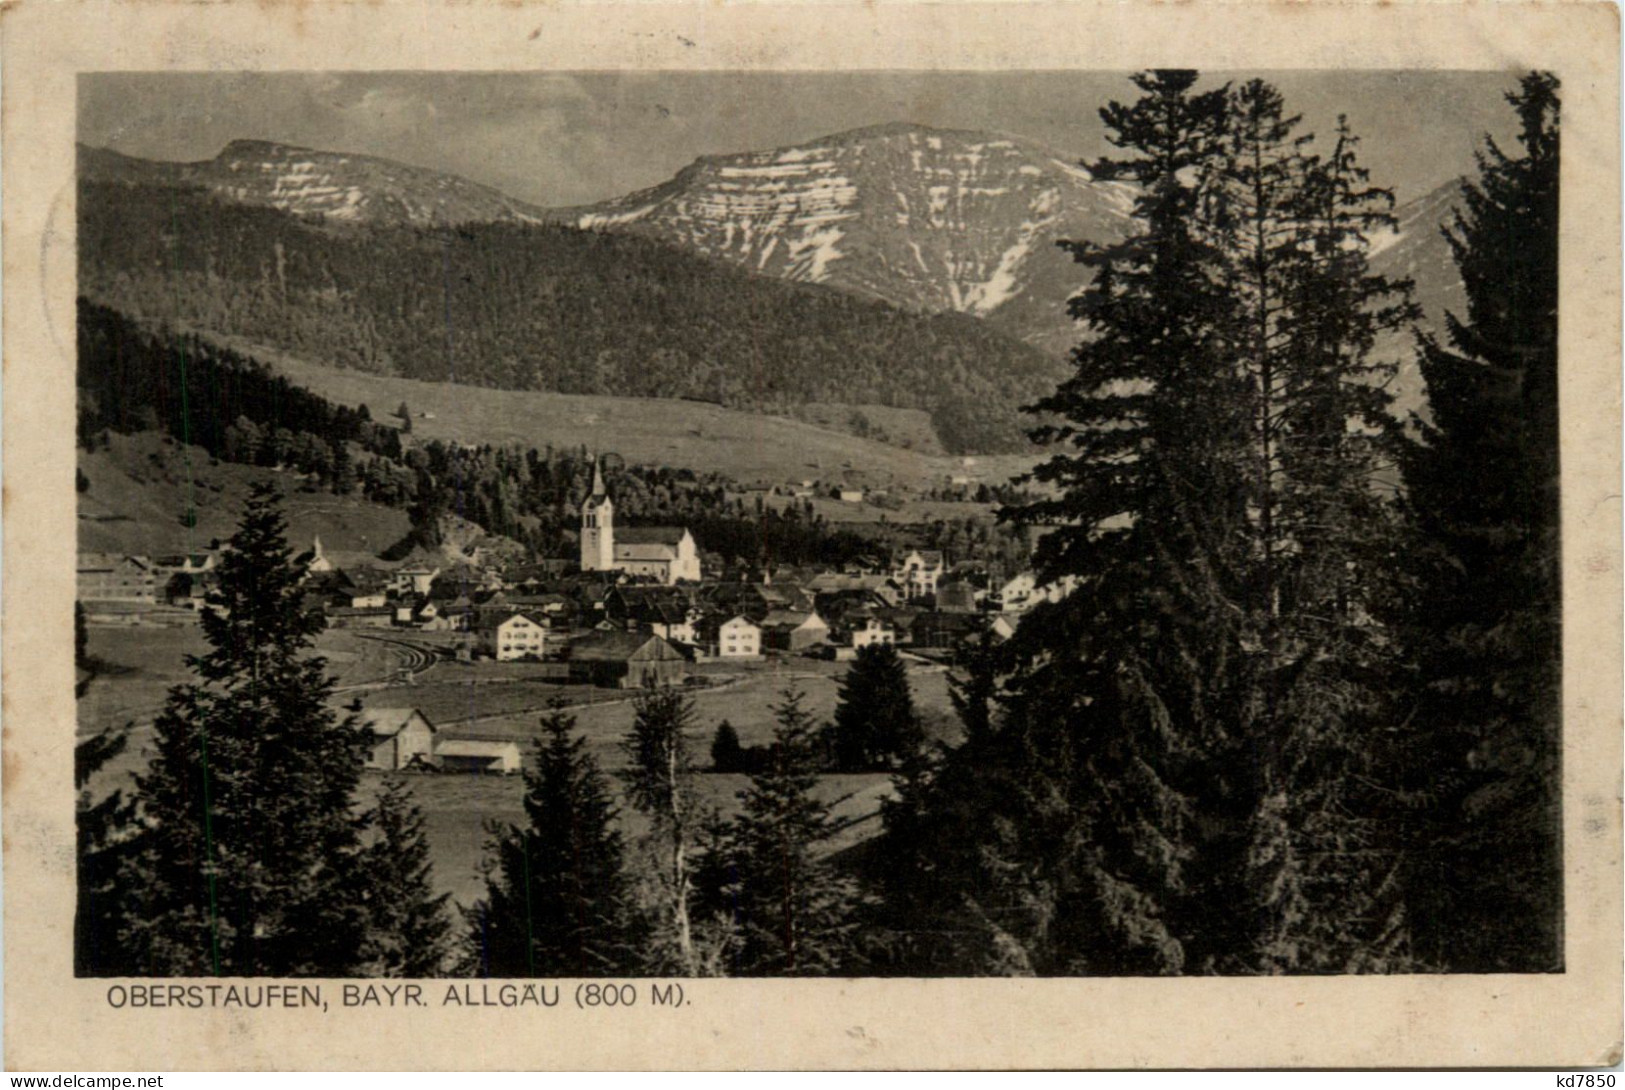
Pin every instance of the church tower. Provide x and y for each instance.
(318, 560)
(598, 526)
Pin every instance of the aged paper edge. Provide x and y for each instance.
(55, 1021)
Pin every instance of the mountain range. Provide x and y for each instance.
(928, 221)
(304, 182)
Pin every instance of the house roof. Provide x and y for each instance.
(476, 747)
(602, 646)
(661, 612)
(108, 561)
(902, 618)
(491, 620)
(387, 722)
(790, 618)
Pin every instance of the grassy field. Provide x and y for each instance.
(747, 446)
(136, 667)
(458, 808)
(142, 484)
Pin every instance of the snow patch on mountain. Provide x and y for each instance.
(930, 219)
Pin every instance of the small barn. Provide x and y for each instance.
(400, 737)
(478, 756)
(626, 660)
(790, 630)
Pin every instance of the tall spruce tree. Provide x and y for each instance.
(1320, 537)
(408, 929)
(1482, 485)
(1170, 785)
(250, 855)
(1112, 700)
(558, 899)
(794, 914)
(876, 726)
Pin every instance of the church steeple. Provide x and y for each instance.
(598, 525)
(598, 478)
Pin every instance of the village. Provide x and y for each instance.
(640, 607)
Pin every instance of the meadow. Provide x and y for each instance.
(135, 666)
(749, 447)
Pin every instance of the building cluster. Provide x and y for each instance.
(634, 608)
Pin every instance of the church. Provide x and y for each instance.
(664, 553)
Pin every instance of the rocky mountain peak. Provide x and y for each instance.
(931, 219)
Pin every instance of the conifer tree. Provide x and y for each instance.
(727, 755)
(1115, 692)
(660, 784)
(794, 912)
(875, 722)
(250, 852)
(974, 685)
(1321, 537)
(107, 836)
(408, 930)
(1482, 485)
(558, 899)
(1171, 786)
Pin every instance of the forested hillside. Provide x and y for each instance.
(137, 381)
(544, 308)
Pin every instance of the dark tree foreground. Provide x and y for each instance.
(408, 927)
(559, 899)
(875, 726)
(247, 856)
(660, 783)
(790, 913)
(1195, 761)
(1483, 490)
(105, 829)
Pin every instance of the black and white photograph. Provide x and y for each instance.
(622, 524)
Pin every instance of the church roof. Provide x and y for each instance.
(633, 551)
(649, 535)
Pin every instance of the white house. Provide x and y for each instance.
(738, 638)
(508, 636)
(920, 572)
(872, 630)
(400, 737)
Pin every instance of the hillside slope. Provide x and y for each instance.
(747, 447)
(142, 484)
(545, 308)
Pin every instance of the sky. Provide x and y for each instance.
(559, 139)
